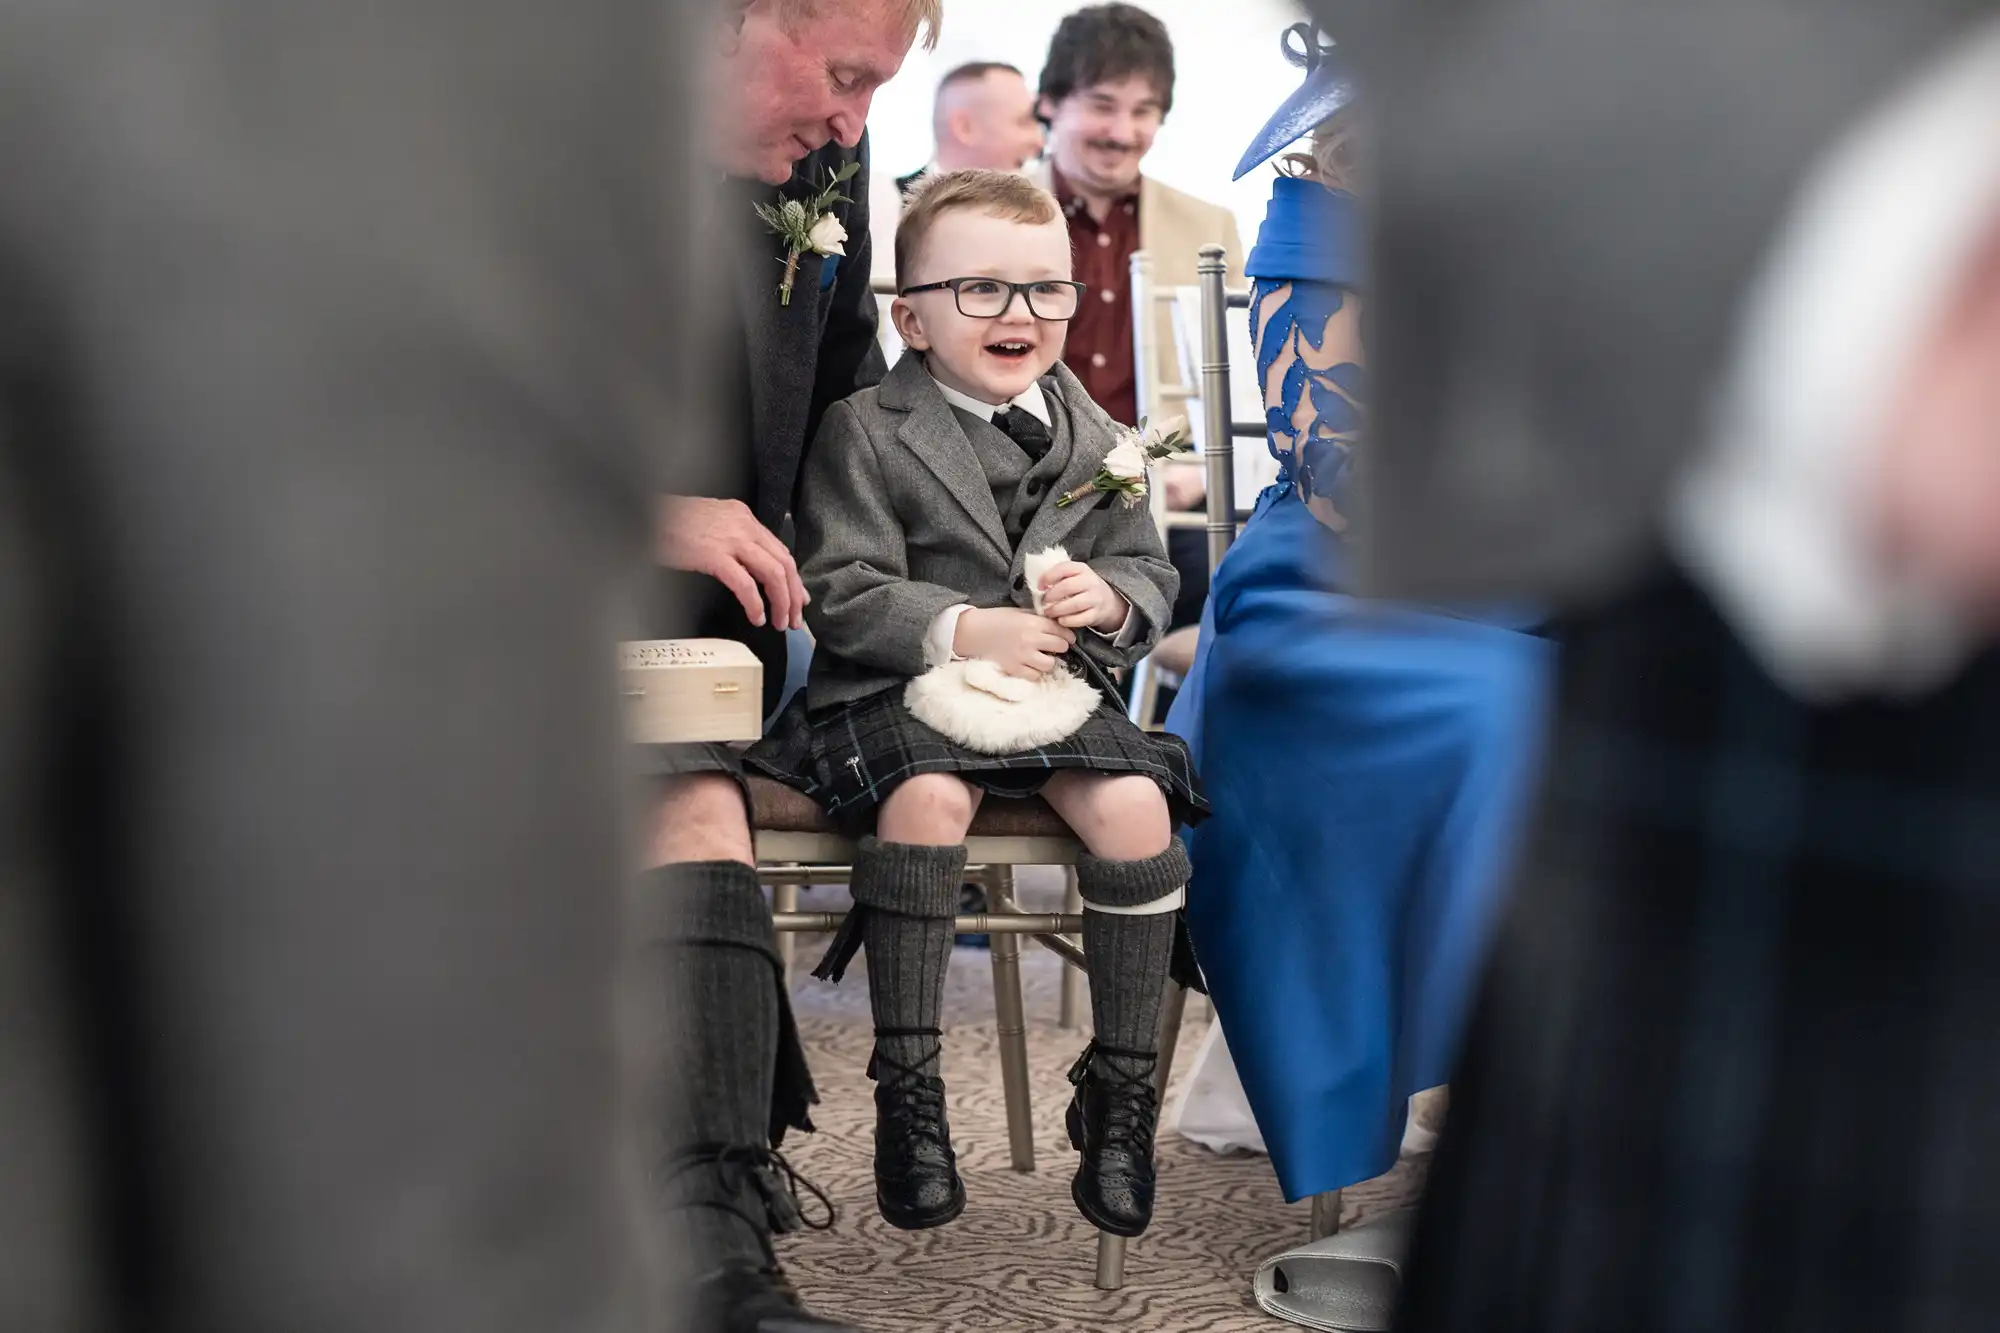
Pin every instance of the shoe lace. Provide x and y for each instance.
(916, 1110)
(1131, 1103)
(776, 1182)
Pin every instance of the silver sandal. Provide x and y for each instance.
(1346, 1283)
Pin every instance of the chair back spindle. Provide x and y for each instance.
(1219, 448)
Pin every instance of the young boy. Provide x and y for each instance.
(920, 501)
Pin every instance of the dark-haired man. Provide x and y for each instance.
(1106, 89)
(1107, 86)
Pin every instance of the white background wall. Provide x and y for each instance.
(1230, 77)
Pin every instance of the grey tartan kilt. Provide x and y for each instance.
(850, 758)
(691, 758)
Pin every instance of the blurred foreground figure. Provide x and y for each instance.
(1688, 320)
(331, 360)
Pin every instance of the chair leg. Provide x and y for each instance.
(1111, 1249)
(1145, 694)
(1074, 997)
(785, 898)
(1325, 1214)
(1172, 1009)
(1010, 1017)
(1110, 1261)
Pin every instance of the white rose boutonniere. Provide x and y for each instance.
(809, 226)
(829, 237)
(1124, 469)
(1126, 462)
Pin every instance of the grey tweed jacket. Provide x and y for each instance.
(897, 523)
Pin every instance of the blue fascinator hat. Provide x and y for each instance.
(1329, 86)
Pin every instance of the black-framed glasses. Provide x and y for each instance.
(989, 298)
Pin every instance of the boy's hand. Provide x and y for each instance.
(1076, 596)
(1020, 643)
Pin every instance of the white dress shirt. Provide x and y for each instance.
(1774, 516)
(1032, 401)
(885, 213)
(944, 630)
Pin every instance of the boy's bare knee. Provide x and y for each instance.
(1137, 800)
(701, 817)
(1131, 821)
(931, 809)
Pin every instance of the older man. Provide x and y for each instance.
(791, 84)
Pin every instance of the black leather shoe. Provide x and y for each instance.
(740, 1299)
(916, 1172)
(1111, 1122)
(757, 1186)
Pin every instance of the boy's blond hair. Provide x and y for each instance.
(1000, 194)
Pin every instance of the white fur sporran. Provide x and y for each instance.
(983, 708)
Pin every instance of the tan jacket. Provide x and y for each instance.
(1173, 227)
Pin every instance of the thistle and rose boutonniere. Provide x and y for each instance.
(808, 226)
(1124, 470)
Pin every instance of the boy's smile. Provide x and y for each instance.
(992, 359)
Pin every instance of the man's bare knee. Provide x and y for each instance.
(701, 817)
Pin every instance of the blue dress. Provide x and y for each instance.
(1367, 763)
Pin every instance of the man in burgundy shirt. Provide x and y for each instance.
(1106, 88)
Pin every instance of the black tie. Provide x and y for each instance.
(1026, 430)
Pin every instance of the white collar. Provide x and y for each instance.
(1032, 401)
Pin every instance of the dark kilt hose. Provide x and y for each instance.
(697, 607)
(1737, 1064)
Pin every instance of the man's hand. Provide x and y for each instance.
(1020, 643)
(724, 540)
(1076, 596)
(1185, 485)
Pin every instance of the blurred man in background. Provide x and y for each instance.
(984, 116)
(1106, 89)
(1736, 1066)
(335, 371)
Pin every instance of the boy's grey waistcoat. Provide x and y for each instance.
(899, 519)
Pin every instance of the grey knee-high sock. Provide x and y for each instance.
(716, 959)
(1128, 956)
(911, 893)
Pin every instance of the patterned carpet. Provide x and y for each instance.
(1021, 1259)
